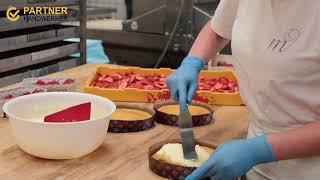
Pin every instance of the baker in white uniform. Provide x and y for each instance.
(276, 47)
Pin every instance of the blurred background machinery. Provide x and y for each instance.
(148, 33)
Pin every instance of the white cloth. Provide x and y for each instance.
(276, 45)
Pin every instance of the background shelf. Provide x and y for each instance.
(31, 37)
(33, 48)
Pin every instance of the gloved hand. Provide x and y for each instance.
(235, 158)
(183, 83)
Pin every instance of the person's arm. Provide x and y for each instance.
(235, 158)
(297, 143)
(208, 43)
(183, 83)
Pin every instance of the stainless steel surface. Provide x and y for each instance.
(140, 7)
(187, 136)
(145, 23)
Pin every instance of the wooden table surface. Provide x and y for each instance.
(122, 156)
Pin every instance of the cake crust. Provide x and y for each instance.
(167, 113)
(174, 109)
(126, 114)
(130, 118)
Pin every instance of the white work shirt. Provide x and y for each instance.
(276, 47)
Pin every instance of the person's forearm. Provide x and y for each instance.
(208, 43)
(297, 143)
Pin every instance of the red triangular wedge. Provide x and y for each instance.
(76, 113)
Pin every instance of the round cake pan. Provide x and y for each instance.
(173, 120)
(125, 126)
(168, 170)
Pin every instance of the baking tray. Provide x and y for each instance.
(151, 96)
(28, 56)
(43, 71)
(54, 51)
(35, 36)
(68, 62)
(14, 78)
(67, 31)
(9, 40)
(47, 34)
(11, 61)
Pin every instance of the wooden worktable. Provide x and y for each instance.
(122, 156)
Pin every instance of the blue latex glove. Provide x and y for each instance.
(235, 158)
(183, 83)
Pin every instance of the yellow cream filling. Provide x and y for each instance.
(172, 153)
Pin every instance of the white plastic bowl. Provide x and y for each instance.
(58, 140)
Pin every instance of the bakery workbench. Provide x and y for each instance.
(122, 156)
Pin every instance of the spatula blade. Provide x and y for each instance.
(187, 136)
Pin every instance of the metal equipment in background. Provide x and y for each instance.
(160, 33)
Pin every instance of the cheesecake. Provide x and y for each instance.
(172, 153)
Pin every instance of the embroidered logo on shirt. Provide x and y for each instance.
(280, 45)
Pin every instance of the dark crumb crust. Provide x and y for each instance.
(172, 120)
(168, 170)
(123, 126)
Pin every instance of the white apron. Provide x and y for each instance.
(276, 45)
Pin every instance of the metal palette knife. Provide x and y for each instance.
(187, 136)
